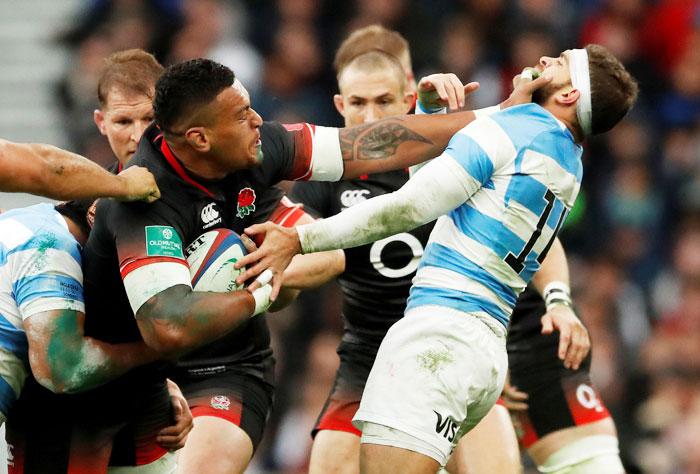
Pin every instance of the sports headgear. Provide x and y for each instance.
(581, 80)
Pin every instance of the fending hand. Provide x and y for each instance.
(279, 246)
(524, 86)
(139, 185)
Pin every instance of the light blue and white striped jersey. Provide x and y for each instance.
(39, 271)
(523, 173)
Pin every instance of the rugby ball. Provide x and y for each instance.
(211, 258)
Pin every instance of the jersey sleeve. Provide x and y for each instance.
(314, 196)
(149, 247)
(480, 149)
(48, 276)
(300, 152)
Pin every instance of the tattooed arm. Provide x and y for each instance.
(397, 142)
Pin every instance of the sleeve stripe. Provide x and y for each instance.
(327, 159)
(132, 265)
(303, 150)
(287, 213)
(150, 278)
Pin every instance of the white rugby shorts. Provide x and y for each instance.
(437, 373)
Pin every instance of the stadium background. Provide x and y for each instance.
(633, 240)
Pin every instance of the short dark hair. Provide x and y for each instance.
(133, 70)
(613, 89)
(186, 86)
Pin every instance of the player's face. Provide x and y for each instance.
(123, 120)
(558, 68)
(370, 96)
(235, 138)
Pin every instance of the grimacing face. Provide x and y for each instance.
(368, 96)
(558, 68)
(235, 133)
(123, 120)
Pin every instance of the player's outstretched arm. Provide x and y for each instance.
(552, 282)
(59, 174)
(63, 360)
(400, 142)
(436, 189)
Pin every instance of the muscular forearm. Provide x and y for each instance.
(397, 142)
(554, 268)
(178, 320)
(311, 271)
(55, 173)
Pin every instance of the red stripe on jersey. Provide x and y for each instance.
(133, 264)
(170, 157)
(303, 134)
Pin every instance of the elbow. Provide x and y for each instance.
(169, 343)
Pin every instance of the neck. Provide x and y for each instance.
(567, 115)
(75, 230)
(196, 162)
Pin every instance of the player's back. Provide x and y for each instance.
(39, 271)
(526, 170)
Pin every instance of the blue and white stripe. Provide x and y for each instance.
(39, 271)
(510, 160)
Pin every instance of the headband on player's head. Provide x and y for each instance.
(581, 80)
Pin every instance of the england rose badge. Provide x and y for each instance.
(246, 202)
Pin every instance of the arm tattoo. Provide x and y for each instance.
(376, 141)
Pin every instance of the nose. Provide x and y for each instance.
(545, 61)
(137, 130)
(255, 120)
(371, 114)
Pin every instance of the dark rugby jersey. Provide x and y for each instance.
(525, 330)
(122, 238)
(377, 276)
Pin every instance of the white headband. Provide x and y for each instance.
(581, 80)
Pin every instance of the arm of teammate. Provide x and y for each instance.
(59, 174)
(63, 360)
(306, 271)
(574, 342)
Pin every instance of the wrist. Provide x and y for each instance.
(557, 293)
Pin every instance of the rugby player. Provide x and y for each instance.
(374, 84)
(211, 171)
(42, 310)
(59, 174)
(507, 181)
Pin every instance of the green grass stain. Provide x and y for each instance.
(432, 360)
(46, 241)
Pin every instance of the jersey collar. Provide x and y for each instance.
(178, 168)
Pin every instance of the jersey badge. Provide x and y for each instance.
(220, 402)
(210, 216)
(246, 202)
(163, 241)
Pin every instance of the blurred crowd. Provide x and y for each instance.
(633, 237)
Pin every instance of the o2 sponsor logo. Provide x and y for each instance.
(375, 255)
(587, 397)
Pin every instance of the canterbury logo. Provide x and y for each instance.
(353, 196)
(209, 213)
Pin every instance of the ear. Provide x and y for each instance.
(408, 100)
(339, 104)
(99, 117)
(567, 97)
(197, 139)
